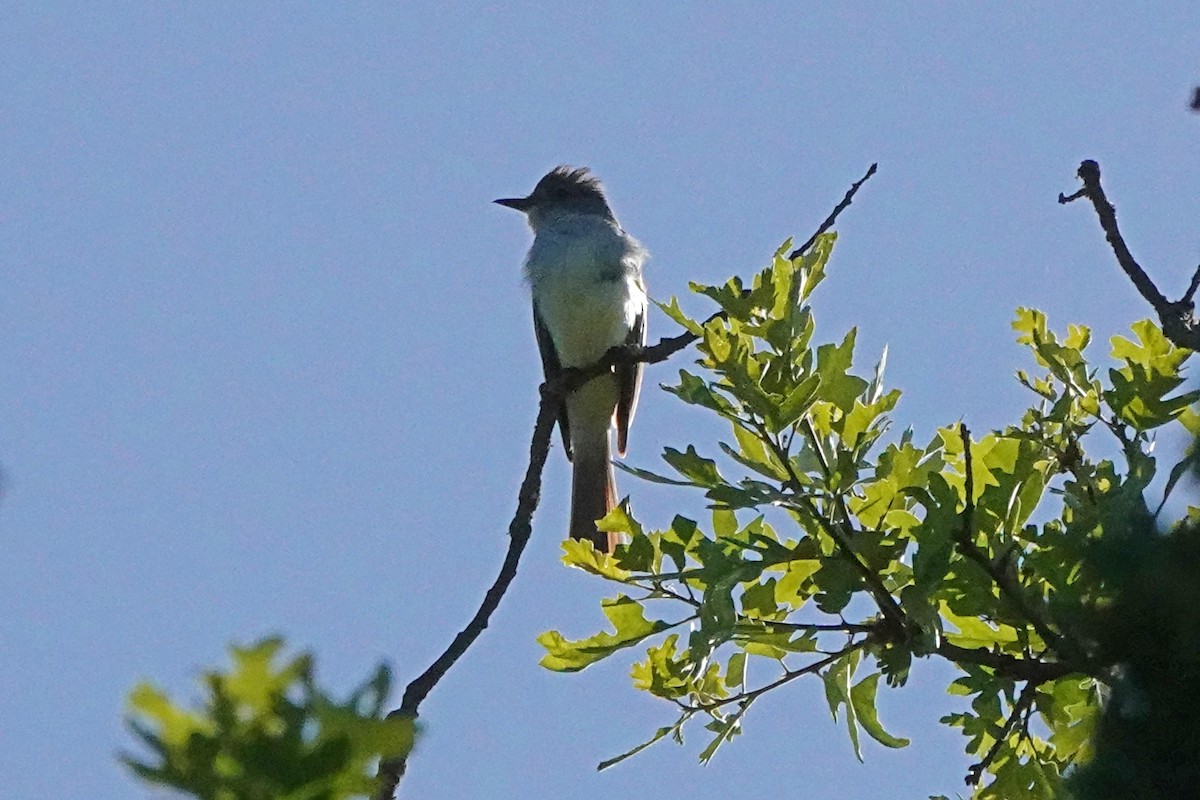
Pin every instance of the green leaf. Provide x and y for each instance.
(679, 539)
(811, 265)
(735, 670)
(758, 601)
(862, 697)
(837, 581)
(659, 734)
(796, 403)
(976, 632)
(1153, 351)
(1181, 468)
(935, 547)
(725, 729)
(837, 385)
(837, 693)
(630, 627)
(582, 554)
(867, 417)
(665, 672)
(755, 458)
(651, 477)
(638, 555)
(175, 725)
(672, 310)
(795, 587)
(1151, 372)
(725, 522)
(729, 296)
(697, 392)
(691, 465)
(265, 731)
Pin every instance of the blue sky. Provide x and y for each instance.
(266, 361)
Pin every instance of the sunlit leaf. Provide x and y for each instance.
(630, 626)
(862, 697)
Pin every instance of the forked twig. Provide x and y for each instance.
(1177, 320)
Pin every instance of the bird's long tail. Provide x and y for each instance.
(593, 493)
(593, 489)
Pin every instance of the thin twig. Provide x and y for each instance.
(1192, 287)
(838, 209)
(1024, 702)
(817, 627)
(1009, 585)
(840, 531)
(668, 346)
(519, 529)
(1178, 323)
(788, 676)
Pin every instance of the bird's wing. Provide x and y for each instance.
(552, 367)
(629, 383)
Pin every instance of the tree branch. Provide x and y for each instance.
(1178, 323)
(840, 530)
(788, 676)
(520, 527)
(1023, 704)
(668, 346)
(1007, 581)
(1021, 669)
(814, 627)
(838, 209)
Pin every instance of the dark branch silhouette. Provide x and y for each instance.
(1020, 709)
(837, 210)
(1178, 323)
(1031, 669)
(669, 346)
(390, 771)
(521, 526)
(1000, 572)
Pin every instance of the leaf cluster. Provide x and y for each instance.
(264, 731)
(839, 550)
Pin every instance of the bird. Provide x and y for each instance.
(589, 295)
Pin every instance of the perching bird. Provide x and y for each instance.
(585, 274)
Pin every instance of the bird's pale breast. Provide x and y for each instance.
(584, 274)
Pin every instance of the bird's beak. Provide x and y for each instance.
(519, 203)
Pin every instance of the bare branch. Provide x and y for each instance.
(838, 209)
(1178, 323)
(519, 530)
(1191, 290)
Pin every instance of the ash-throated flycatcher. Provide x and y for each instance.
(585, 273)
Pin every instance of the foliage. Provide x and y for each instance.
(1148, 740)
(838, 551)
(266, 732)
